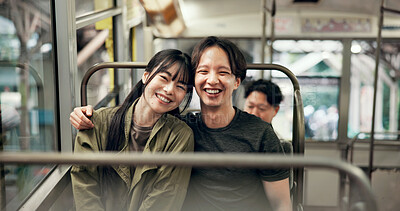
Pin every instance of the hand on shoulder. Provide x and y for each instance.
(79, 117)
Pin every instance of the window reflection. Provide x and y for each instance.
(27, 92)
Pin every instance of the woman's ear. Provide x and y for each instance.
(145, 77)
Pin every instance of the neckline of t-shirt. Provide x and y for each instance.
(142, 128)
(204, 126)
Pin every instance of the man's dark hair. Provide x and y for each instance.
(271, 90)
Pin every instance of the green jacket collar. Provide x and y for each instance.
(151, 146)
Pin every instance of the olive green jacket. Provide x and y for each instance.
(151, 187)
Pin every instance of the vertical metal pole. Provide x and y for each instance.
(271, 47)
(377, 57)
(263, 27)
(2, 174)
(344, 101)
(271, 44)
(116, 55)
(66, 53)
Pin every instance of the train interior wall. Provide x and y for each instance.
(322, 187)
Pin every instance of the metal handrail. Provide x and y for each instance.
(299, 142)
(298, 139)
(387, 9)
(298, 113)
(350, 148)
(350, 144)
(104, 65)
(247, 160)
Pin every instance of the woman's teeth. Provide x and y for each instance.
(165, 100)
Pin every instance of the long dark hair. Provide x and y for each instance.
(160, 62)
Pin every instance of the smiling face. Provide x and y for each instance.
(165, 91)
(214, 80)
(257, 104)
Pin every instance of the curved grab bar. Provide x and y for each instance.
(281, 68)
(249, 160)
(103, 65)
(298, 140)
(298, 113)
(300, 129)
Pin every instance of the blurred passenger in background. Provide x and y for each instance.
(262, 99)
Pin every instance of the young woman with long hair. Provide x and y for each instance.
(146, 122)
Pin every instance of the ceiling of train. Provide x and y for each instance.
(212, 8)
(243, 17)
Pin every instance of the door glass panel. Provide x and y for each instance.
(27, 93)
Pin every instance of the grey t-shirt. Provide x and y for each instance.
(232, 188)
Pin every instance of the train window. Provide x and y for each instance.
(95, 45)
(87, 7)
(317, 65)
(320, 97)
(362, 93)
(27, 92)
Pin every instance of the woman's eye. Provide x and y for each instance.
(182, 87)
(163, 77)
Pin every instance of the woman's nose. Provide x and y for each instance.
(169, 87)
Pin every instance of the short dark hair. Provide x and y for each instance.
(270, 89)
(236, 59)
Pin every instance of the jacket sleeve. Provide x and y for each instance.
(85, 179)
(170, 187)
